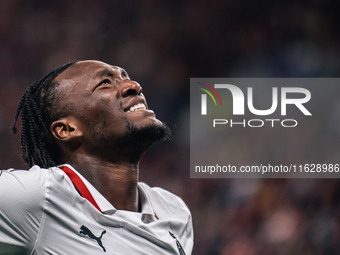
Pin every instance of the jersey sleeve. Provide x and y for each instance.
(22, 197)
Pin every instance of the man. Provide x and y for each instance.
(88, 116)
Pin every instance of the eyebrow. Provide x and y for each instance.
(109, 73)
(106, 72)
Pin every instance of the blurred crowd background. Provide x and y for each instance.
(162, 44)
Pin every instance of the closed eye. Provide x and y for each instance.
(106, 81)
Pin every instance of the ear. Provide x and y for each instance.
(66, 129)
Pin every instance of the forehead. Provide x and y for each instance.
(84, 70)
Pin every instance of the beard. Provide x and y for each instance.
(149, 134)
(131, 146)
(139, 139)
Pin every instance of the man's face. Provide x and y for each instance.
(106, 102)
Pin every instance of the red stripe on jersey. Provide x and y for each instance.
(80, 185)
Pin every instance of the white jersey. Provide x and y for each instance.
(45, 211)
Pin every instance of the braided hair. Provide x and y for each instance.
(38, 108)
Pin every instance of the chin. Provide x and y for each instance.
(137, 140)
(150, 133)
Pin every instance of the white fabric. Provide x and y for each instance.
(41, 212)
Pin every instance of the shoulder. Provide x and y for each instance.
(173, 213)
(22, 180)
(20, 186)
(166, 201)
(25, 188)
(22, 200)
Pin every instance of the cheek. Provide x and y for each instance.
(101, 110)
(104, 117)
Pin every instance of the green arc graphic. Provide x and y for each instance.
(209, 95)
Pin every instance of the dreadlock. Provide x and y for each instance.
(36, 108)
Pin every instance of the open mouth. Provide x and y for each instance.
(137, 107)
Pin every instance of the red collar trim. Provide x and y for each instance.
(80, 185)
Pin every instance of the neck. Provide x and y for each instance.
(117, 182)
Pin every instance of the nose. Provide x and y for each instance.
(130, 88)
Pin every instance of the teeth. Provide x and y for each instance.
(137, 107)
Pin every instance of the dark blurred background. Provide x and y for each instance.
(162, 44)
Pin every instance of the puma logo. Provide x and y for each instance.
(85, 231)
